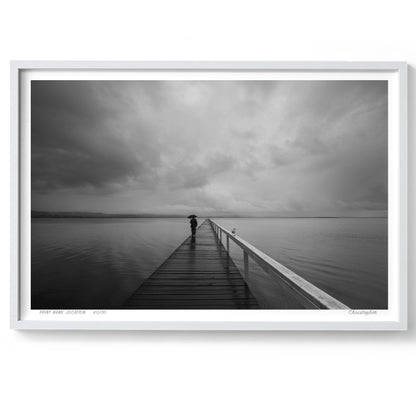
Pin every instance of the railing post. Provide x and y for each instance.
(220, 235)
(228, 244)
(246, 266)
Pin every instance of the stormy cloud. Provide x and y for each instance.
(215, 147)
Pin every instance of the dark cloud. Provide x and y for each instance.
(195, 175)
(78, 139)
(269, 147)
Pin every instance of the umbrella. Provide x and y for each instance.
(192, 216)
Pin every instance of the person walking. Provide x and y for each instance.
(194, 224)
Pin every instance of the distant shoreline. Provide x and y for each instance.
(84, 215)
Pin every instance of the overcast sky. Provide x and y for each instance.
(291, 148)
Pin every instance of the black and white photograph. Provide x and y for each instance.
(208, 208)
(209, 194)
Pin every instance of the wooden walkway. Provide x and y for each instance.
(198, 275)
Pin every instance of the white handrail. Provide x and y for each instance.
(313, 294)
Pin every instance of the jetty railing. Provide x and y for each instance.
(304, 290)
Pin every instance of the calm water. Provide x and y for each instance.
(98, 263)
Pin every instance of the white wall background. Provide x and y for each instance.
(105, 373)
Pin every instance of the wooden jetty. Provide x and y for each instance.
(200, 274)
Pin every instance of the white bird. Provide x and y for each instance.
(233, 231)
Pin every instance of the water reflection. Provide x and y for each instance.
(84, 263)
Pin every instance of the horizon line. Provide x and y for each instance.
(80, 214)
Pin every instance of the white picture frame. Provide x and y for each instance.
(395, 317)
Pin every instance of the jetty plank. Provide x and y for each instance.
(198, 275)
